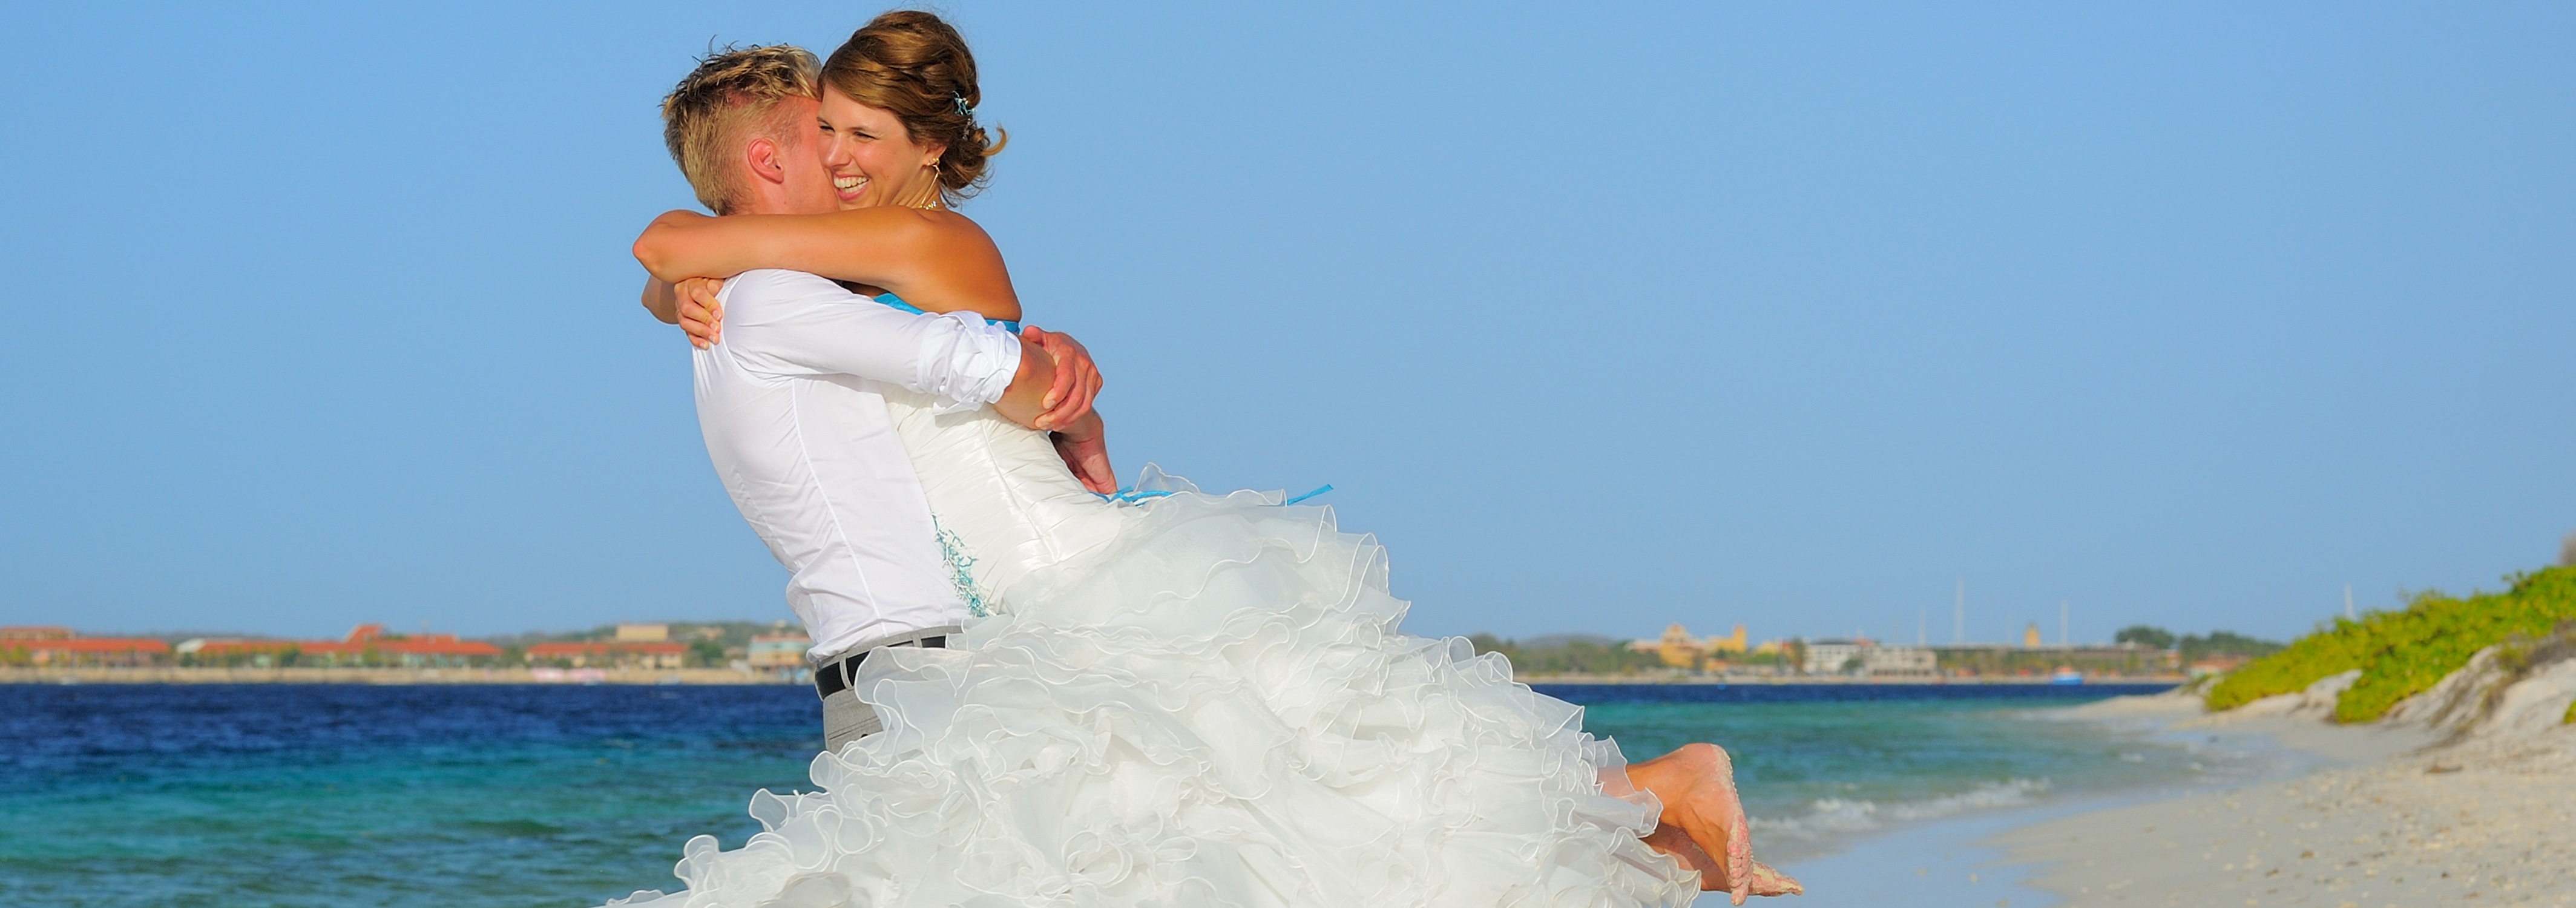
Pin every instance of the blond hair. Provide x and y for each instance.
(731, 98)
(916, 66)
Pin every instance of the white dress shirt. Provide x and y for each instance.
(797, 427)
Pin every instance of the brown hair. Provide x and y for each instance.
(916, 66)
(730, 98)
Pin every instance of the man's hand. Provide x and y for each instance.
(1085, 449)
(701, 314)
(1077, 381)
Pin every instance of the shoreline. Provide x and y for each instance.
(2383, 816)
(2327, 815)
(2318, 815)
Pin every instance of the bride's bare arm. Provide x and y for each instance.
(937, 260)
(660, 301)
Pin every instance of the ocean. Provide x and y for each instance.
(566, 795)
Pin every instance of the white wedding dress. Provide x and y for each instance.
(1189, 700)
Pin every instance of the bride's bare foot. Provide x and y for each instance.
(1703, 824)
(1712, 875)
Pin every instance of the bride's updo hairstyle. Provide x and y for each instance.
(916, 65)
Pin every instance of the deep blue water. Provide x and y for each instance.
(485, 795)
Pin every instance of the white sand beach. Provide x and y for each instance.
(2465, 796)
(2483, 822)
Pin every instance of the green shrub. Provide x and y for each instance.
(2335, 648)
(2401, 653)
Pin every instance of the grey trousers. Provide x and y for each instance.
(845, 717)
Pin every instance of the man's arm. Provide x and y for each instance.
(797, 324)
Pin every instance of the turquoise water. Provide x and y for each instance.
(1817, 765)
(477, 795)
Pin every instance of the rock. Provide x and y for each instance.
(2518, 687)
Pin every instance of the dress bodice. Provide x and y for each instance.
(1005, 504)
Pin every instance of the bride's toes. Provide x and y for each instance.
(1767, 881)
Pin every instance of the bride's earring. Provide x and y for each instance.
(933, 204)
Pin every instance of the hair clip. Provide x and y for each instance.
(962, 109)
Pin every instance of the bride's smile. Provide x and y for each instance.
(873, 158)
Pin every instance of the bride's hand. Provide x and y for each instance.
(1085, 449)
(701, 314)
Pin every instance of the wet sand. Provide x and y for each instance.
(2381, 818)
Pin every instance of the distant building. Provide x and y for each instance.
(643, 633)
(2030, 636)
(1678, 649)
(777, 651)
(1899, 660)
(60, 646)
(662, 654)
(366, 644)
(1827, 657)
(1997, 659)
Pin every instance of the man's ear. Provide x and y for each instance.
(762, 154)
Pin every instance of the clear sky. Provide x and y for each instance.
(1793, 315)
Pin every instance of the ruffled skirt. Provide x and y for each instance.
(1214, 710)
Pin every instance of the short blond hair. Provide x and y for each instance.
(730, 98)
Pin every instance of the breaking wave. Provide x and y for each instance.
(1834, 817)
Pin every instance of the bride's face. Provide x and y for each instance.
(872, 157)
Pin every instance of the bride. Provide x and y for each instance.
(1170, 696)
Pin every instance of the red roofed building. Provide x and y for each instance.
(60, 646)
(602, 655)
(366, 644)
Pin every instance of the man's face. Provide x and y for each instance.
(807, 188)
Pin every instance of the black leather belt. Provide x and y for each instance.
(834, 677)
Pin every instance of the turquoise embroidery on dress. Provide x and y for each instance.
(961, 570)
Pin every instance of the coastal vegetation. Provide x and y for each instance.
(2194, 647)
(2403, 652)
(1568, 654)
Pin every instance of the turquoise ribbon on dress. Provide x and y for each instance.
(898, 303)
(1131, 496)
(1327, 487)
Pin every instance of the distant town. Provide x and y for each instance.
(2137, 653)
(751, 652)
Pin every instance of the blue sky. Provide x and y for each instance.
(1792, 315)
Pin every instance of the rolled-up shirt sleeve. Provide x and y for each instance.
(788, 323)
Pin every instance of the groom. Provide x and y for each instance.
(791, 399)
